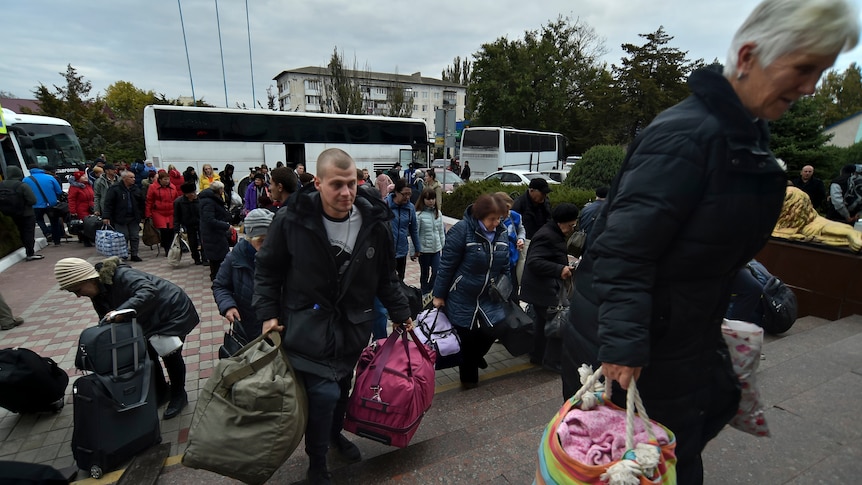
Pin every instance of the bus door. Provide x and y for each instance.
(295, 154)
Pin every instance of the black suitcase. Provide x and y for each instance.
(103, 346)
(115, 418)
(21, 473)
(30, 383)
(91, 225)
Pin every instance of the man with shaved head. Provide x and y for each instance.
(328, 254)
(811, 185)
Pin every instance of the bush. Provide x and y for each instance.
(455, 203)
(10, 239)
(597, 168)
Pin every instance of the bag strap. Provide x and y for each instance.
(252, 367)
(39, 188)
(386, 351)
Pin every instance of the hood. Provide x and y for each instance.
(14, 173)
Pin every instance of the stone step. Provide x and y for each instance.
(807, 334)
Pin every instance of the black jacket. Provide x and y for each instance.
(123, 205)
(533, 216)
(215, 224)
(546, 258)
(814, 188)
(327, 321)
(696, 198)
(163, 308)
(187, 212)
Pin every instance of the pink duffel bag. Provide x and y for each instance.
(393, 389)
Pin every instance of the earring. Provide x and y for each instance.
(740, 76)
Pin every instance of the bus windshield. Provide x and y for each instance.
(54, 147)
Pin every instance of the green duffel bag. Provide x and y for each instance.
(250, 416)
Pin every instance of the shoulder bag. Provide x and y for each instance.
(60, 208)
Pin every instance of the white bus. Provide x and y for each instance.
(489, 149)
(42, 141)
(192, 136)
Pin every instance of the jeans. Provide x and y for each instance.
(56, 224)
(381, 319)
(327, 403)
(428, 265)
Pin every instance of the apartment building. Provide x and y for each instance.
(305, 89)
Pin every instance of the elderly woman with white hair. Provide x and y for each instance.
(695, 199)
(215, 226)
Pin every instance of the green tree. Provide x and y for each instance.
(798, 138)
(127, 102)
(597, 168)
(541, 82)
(343, 88)
(458, 72)
(840, 94)
(651, 79)
(399, 104)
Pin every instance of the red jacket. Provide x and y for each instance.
(160, 204)
(81, 200)
(176, 178)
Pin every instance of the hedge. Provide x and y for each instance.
(455, 203)
(10, 239)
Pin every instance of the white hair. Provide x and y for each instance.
(217, 186)
(779, 27)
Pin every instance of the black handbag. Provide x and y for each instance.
(102, 346)
(234, 340)
(500, 289)
(515, 331)
(60, 209)
(557, 316)
(414, 298)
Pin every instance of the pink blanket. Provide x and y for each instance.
(598, 436)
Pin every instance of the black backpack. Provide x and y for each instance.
(780, 307)
(11, 201)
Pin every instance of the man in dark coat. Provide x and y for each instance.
(811, 185)
(123, 209)
(25, 219)
(545, 272)
(844, 204)
(327, 255)
(162, 308)
(187, 216)
(534, 207)
(215, 226)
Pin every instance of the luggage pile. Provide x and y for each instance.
(30, 383)
(115, 408)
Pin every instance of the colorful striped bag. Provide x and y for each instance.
(646, 463)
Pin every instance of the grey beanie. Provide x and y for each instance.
(257, 222)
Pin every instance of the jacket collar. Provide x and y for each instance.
(715, 91)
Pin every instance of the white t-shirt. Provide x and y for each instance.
(342, 235)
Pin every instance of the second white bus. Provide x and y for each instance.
(489, 149)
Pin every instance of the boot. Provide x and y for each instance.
(177, 373)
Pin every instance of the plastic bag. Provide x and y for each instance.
(745, 340)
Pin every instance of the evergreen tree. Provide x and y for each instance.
(798, 138)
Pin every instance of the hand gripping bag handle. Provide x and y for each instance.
(230, 379)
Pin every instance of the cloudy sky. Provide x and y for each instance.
(141, 41)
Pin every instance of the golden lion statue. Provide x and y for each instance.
(800, 221)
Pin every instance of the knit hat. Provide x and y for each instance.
(70, 271)
(257, 222)
(565, 212)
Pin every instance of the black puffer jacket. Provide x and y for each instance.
(696, 198)
(327, 322)
(546, 258)
(215, 224)
(163, 308)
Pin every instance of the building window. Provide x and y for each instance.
(312, 100)
(415, 107)
(408, 93)
(424, 107)
(312, 84)
(424, 95)
(436, 95)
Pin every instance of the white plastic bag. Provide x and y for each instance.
(745, 340)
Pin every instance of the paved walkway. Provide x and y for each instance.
(811, 381)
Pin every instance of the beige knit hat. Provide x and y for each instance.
(70, 271)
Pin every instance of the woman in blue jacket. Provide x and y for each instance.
(233, 286)
(403, 224)
(476, 251)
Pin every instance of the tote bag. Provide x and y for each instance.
(648, 462)
(250, 416)
(111, 243)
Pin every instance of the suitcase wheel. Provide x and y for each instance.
(96, 471)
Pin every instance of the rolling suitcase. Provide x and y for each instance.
(115, 415)
(30, 383)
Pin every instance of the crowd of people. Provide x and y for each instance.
(323, 256)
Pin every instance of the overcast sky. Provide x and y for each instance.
(141, 41)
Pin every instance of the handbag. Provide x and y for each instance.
(437, 332)
(175, 254)
(576, 242)
(76, 227)
(234, 340)
(100, 347)
(515, 331)
(111, 243)
(394, 388)
(744, 341)
(500, 289)
(232, 237)
(150, 235)
(250, 416)
(558, 315)
(650, 461)
(414, 298)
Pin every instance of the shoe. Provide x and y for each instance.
(345, 449)
(198, 263)
(88, 244)
(469, 385)
(67, 236)
(318, 476)
(34, 257)
(17, 321)
(56, 245)
(483, 364)
(176, 405)
(136, 258)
